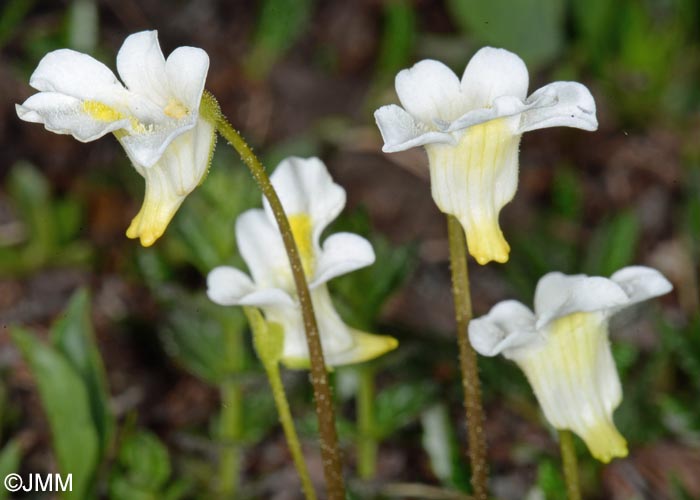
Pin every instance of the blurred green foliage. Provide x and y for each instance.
(280, 23)
(69, 375)
(10, 456)
(532, 28)
(48, 228)
(641, 58)
(143, 471)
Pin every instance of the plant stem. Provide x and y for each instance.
(285, 416)
(231, 423)
(367, 444)
(467, 359)
(330, 451)
(570, 464)
(230, 434)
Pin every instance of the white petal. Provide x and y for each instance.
(641, 283)
(177, 173)
(559, 295)
(63, 114)
(560, 104)
(575, 380)
(261, 247)
(77, 75)
(507, 327)
(188, 156)
(305, 187)
(186, 70)
(228, 286)
(493, 73)
(341, 254)
(429, 91)
(147, 147)
(474, 180)
(141, 65)
(502, 107)
(335, 335)
(401, 131)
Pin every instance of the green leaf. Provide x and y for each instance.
(534, 29)
(206, 338)
(279, 25)
(550, 480)
(66, 403)
(11, 17)
(225, 194)
(69, 218)
(143, 470)
(567, 194)
(398, 38)
(72, 334)
(401, 404)
(10, 457)
(595, 23)
(30, 192)
(145, 461)
(613, 245)
(360, 295)
(121, 489)
(259, 415)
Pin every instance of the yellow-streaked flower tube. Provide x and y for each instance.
(564, 350)
(154, 115)
(471, 131)
(312, 200)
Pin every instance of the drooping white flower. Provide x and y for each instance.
(564, 350)
(154, 115)
(312, 200)
(471, 131)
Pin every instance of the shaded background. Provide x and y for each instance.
(304, 77)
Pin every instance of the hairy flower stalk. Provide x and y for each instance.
(471, 386)
(325, 412)
(311, 200)
(564, 350)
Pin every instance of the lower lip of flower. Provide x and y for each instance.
(473, 180)
(576, 383)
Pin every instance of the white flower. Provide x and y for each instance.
(471, 131)
(563, 348)
(154, 115)
(312, 200)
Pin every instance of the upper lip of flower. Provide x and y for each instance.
(158, 102)
(494, 85)
(305, 188)
(511, 325)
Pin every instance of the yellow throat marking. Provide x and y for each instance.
(101, 112)
(175, 109)
(470, 180)
(301, 229)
